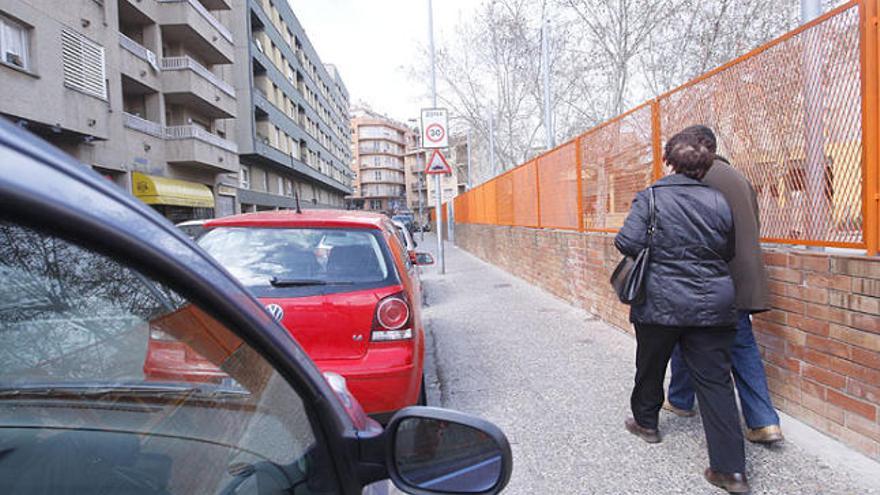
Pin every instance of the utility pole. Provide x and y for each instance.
(817, 178)
(437, 186)
(550, 139)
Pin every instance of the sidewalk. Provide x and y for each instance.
(557, 381)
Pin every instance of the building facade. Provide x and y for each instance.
(379, 148)
(137, 89)
(292, 128)
(416, 187)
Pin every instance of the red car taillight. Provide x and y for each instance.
(392, 320)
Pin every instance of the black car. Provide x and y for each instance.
(89, 276)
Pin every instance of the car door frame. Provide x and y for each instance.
(45, 189)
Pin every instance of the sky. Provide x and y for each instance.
(374, 43)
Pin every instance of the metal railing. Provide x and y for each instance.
(139, 51)
(176, 132)
(142, 125)
(213, 21)
(188, 63)
(814, 188)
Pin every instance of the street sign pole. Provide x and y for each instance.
(437, 191)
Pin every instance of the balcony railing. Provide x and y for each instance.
(139, 51)
(187, 63)
(195, 132)
(223, 30)
(142, 125)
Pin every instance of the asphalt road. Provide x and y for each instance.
(557, 381)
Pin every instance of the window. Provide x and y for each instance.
(280, 185)
(244, 177)
(118, 384)
(14, 42)
(83, 63)
(375, 204)
(377, 175)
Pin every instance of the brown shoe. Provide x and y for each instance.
(732, 482)
(682, 413)
(647, 434)
(767, 435)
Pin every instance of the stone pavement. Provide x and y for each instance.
(557, 381)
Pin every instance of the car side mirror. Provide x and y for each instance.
(424, 259)
(431, 451)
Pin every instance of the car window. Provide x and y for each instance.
(111, 382)
(283, 262)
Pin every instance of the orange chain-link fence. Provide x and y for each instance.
(799, 116)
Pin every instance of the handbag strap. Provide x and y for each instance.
(652, 224)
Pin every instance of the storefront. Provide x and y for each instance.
(176, 200)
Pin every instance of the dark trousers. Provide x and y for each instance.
(706, 350)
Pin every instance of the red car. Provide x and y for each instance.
(340, 282)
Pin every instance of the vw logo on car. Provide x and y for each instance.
(276, 311)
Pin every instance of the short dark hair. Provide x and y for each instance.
(704, 133)
(688, 153)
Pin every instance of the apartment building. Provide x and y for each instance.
(379, 148)
(416, 185)
(292, 128)
(137, 89)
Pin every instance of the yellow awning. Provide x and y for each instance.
(154, 190)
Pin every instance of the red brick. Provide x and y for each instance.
(774, 316)
(813, 389)
(855, 302)
(855, 371)
(828, 346)
(865, 357)
(850, 404)
(856, 267)
(811, 325)
(866, 286)
(826, 313)
(839, 282)
(775, 258)
(823, 376)
(854, 439)
(812, 262)
(861, 425)
(782, 361)
(779, 288)
(866, 340)
(870, 393)
(817, 295)
(784, 274)
(787, 304)
(870, 323)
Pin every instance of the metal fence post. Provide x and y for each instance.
(870, 39)
(579, 174)
(656, 140)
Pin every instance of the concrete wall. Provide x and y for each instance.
(821, 343)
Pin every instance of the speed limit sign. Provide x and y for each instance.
(434, 130)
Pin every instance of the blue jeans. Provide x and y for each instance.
(748, 373)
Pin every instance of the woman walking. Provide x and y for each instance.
(688, 300)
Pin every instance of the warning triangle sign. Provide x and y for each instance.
(437, 164)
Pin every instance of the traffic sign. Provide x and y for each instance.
(434, 128)
(437, 164)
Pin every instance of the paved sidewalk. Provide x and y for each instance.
(557, 381)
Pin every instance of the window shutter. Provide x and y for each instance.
(83, 62)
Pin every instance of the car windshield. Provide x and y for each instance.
(267, 258)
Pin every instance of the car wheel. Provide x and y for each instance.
(423, 393)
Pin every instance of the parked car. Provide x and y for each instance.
(345, 289)
(192, 228)
(86, 273)
(406, 220)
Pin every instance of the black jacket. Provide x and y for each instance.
(688, 281)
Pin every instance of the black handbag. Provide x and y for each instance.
(628, 278)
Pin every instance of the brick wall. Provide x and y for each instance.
(821, 343)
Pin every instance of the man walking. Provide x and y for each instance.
(752, 296)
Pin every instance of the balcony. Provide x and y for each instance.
(186, 82)
(189, 23)
(139, 63)
(143, 125)
(192, 145)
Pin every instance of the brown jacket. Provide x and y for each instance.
(747, 266)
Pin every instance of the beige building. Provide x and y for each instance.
(416, 187)
(379, 148)
(137, 89)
